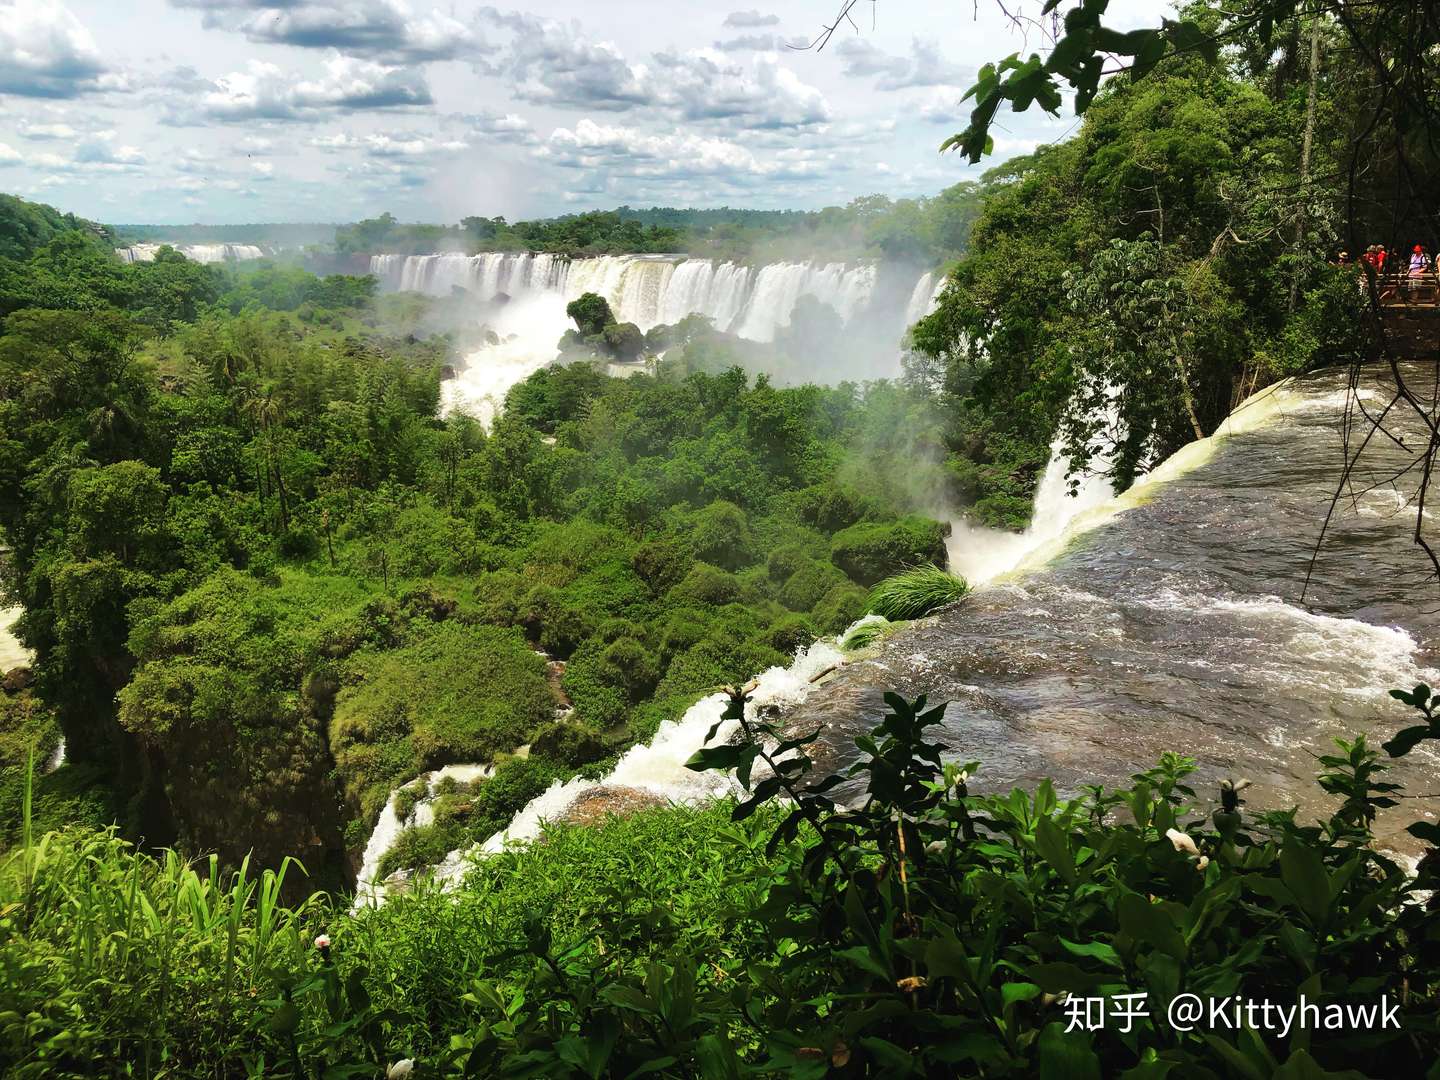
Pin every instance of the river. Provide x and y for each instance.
(1177, 623)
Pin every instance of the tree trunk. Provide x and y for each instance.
(1305, 147)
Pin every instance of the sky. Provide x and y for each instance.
(231, 111)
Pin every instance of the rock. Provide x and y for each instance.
(17, 679)
(446, 372)
(594, 806)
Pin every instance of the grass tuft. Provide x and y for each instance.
(913, 593)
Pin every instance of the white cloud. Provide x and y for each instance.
(627, 151)
(553, 63)
(382, 29)
(925, 66)
(46, 132)
(941, 105)
(9, 155)
(266, 92)
(748, 19)
(46, 52)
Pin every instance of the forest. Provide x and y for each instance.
(267, 583)
(925, 231)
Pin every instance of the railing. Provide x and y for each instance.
(1400, 288)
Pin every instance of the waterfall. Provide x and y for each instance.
(644, 289)
(656, 769)
(389, 826)
(12, 653)
(201, 253)
(980, 554)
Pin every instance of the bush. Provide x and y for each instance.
(913, 593)
(785, 560)
(720, 534)
(624, 341)
(661, 564)
(707, 584)
(791, 634)
(839, 607)
(591, 313)
(874, 550)
(568, 743)
(455, 694)
(809, 585)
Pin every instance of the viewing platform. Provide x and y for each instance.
(1410, 312)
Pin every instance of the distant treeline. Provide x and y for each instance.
(927, 231)
(290, 234)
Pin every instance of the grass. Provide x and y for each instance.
(913, 593)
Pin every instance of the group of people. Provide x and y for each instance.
(1417, 271)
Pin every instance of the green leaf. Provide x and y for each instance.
(1054, 848)
(1303, 872)
(1406, 739)
(1066, 1057)
(1094, 950)
(1150, 923)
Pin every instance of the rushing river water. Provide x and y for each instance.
(1178, 624)
(12, 653)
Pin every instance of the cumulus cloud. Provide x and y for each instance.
(9, 155)
(383, 29)
(264, 91)
(745, 20)
(750, 43)
(626, 151)
(940, 105)
(93, 155)
(496, 127)
(46, 132)
(925, 66)
(382, 145)
(704, 84)
(46, 52)
(554, 63)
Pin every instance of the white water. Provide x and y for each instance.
(644, 289)
(980, 554)
(201, 253)
(524, 297)
(657, 768)
(12, 653)
(388, 826)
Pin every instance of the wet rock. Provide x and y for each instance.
(594, 806)
(17, 679)
(446, 372)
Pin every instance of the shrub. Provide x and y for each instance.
(791, 634)
(455, 694)
(591, 313)
(809, 585)
(624, 341)
(840, 607)
(913, 593)
(870, 551)
(661, 564)
(785, 560)
(707, 584)
(720, 534)
(568, 743)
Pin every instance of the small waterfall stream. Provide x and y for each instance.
(656, 770)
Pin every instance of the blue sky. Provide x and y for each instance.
(173, 111)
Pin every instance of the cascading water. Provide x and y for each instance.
(201, 253)
(1170, 618)
(980, 554)
(644, 289)
(656, 769)
(12, 653)
(523, 296)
